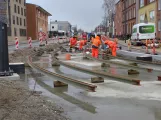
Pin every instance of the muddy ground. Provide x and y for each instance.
(17, 102)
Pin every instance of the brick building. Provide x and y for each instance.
(118, 18)
(129, 15)
(37, 20)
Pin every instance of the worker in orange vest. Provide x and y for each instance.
(73, 42)
(82, 43)
(112, 45)
(96, 42)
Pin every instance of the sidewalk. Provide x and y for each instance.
(122, 42)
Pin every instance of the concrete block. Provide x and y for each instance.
(86, 58)
(55, 64)
(159, 78)
(134, 64)
(59, 84)
(149, 70)
(131, 72)
(15, 76)
(105, 65)
(18, 68)
(145, 58)
(97, 80)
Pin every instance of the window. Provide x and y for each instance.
(15, 9)
(141, 3)
(14, 21)
(17, 21)
(20, 21)
(21, 11)
(22, 32)
(18, 10)
(159, 25)
(142, 18)
(20, 1)
(24, 22)
(159, 3)
(9, 31)
(130, 14)
(134, 12)
(24, 12)
(151, 1)
(152, 15)
(15, 32)
(24, 2)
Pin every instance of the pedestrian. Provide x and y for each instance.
(95, 46)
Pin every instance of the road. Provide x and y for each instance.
(11, 48)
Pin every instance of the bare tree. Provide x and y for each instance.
(109, 11)
(109, 6)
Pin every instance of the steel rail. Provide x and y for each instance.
(62, 78)
(121, 64)
(67, 80)
(101, 74)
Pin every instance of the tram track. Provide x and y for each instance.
(67, 80)
(79, 83)
(122, 64)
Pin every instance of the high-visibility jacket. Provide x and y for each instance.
(82, 43)
(73, 41)
(96, 42)
(107, 42)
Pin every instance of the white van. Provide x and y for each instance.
(143, 31)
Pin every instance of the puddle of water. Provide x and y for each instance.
(104, 105)
(112, 101)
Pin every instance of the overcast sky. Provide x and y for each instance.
(86, 14)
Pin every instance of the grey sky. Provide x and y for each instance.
(87, 14)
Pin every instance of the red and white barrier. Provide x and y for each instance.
(154, 51)
(16, 43)
(41, 40)
(30, 42)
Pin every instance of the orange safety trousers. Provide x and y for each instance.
(95, 52)
(114, 49)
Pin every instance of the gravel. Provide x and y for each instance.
(17, 102)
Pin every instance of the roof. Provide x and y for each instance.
(60, 22)
(40, 8)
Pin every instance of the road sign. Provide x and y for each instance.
(3, 11)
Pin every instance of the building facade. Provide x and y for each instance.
(37, 20)
(56, 26)
(16, 14)
(158, 19)
(118, 19)
(129, 15)
(60, 25)
(137, 9)
(147, 11)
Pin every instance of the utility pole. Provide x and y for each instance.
(4, 61)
